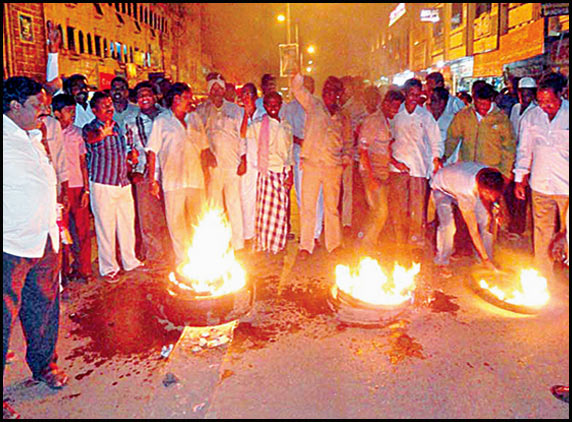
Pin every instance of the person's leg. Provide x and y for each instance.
(14, 272)
(331, 182)
(545, 211)
(80, 217)
(347, 196)
(152, 221)
(399, 200)
(417, 198)
(232, 200)
(311, 183)
(175, 213)
(103, 205)
(446, 229)
(194, 206)
(126, 228)
(377, 215)
(483, 222)
(248, 201)
(40, 311)
(215, 191)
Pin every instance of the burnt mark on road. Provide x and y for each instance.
(440, 302)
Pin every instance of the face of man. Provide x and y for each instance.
(66, 116)
(430, 85)
(413, 97)
(437, 106)
(119, 91)
(483, 106)
(390, 108)
(79, 91)
(549, 102)
(371, 102)
(331, 96)
(27, 115)
(309, 84)
(183, 102)
(489, 196)
(145, 98)
(104, 109)
(269, 86)
(525, 97)
(217, 94)
(247, 99)
(272, 106)
(230, 93)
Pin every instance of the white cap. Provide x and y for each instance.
(527, 83)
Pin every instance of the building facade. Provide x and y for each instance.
(103, 40)
(468, 41)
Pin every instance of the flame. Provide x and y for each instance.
(211, 265)
(533, 290)
(370, 284)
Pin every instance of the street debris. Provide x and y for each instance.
(166, 351)
(170, 379)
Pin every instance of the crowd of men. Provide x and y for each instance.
(144, 162)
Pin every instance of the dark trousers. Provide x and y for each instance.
(31, 292)
(78, 222)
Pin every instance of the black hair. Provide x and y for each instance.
(411, 83)
(214, 75)
(441, 93)
(62, 100)
(335, 83)
(251, 88)
(436, 77)
(178, 88)
(18, 88)
(270, 95)
(72, 80)
(394, 95)
(144, 84)
(477, 85)
(119, 79)
(465, 96)
(485, 92)
(266, 78)
(556, 82)
(97, 97)
(492, 179)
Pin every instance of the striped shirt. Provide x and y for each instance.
(107, 159)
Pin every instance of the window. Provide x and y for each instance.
(135, 11)
(129, 9)
(438, 27)
(483, 8)
(71, 38)
(105, 49)
(118, 51)
(117, 7)
(112, 49)
(60, 29)
(123, 8)
(89, 46)
(456, 15)
(131, 54)
(141, 13)
(97, 40)
(98, 9)
(146, 20)
(81, 44)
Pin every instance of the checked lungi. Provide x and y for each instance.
(271, 212)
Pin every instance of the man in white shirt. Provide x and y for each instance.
(543, 153)
(416, 153)
(223, 123)
(31, 244)
(294, 113)
(475, 189)
(178, 141)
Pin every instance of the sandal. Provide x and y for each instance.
(53, 376)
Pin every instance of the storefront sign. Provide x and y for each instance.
(555, 9)
(397, 13)
(430, 15)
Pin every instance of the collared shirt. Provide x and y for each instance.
(223, 133)
(375, 133)
(417, 141)
(296, 116)
(279, 143)
(454, 105)
(75, 148)
(138, 130)
(107, 159)
(490, 141)
(460, 182)
(29, 195)
(261, 111)
(327, 138)
(55, 140)
(544, 151)
(83, 116)
(178, 150)
(251, 143)
(516, 117)
(126, 115)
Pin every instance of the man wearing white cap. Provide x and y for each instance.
(526, 96)
(223, 120)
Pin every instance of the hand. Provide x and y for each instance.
(289, 182)
(520, 191)
(401, 167)
(242, 166)
(298, 141)
(155, 189)
(133, 157)
(64, 200)
(84, 199)
(209, 158)
(107, 129)
(137, 178)
(54, 38)
(437, 164)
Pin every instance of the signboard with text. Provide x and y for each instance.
(555, 9)
(289, 64)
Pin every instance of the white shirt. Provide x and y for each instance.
(516, 117)
(29, 196)
(83, 116)
(544, 151)
(460, 182)
(178, 150)
(417, 141)
(223, 133)
(296, 116)
(279, 143)
(126, 115)
(55, 138)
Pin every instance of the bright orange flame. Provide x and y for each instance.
(370, 284)
(211, 266)
(533, 290)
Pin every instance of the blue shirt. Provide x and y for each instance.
(107, 159)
